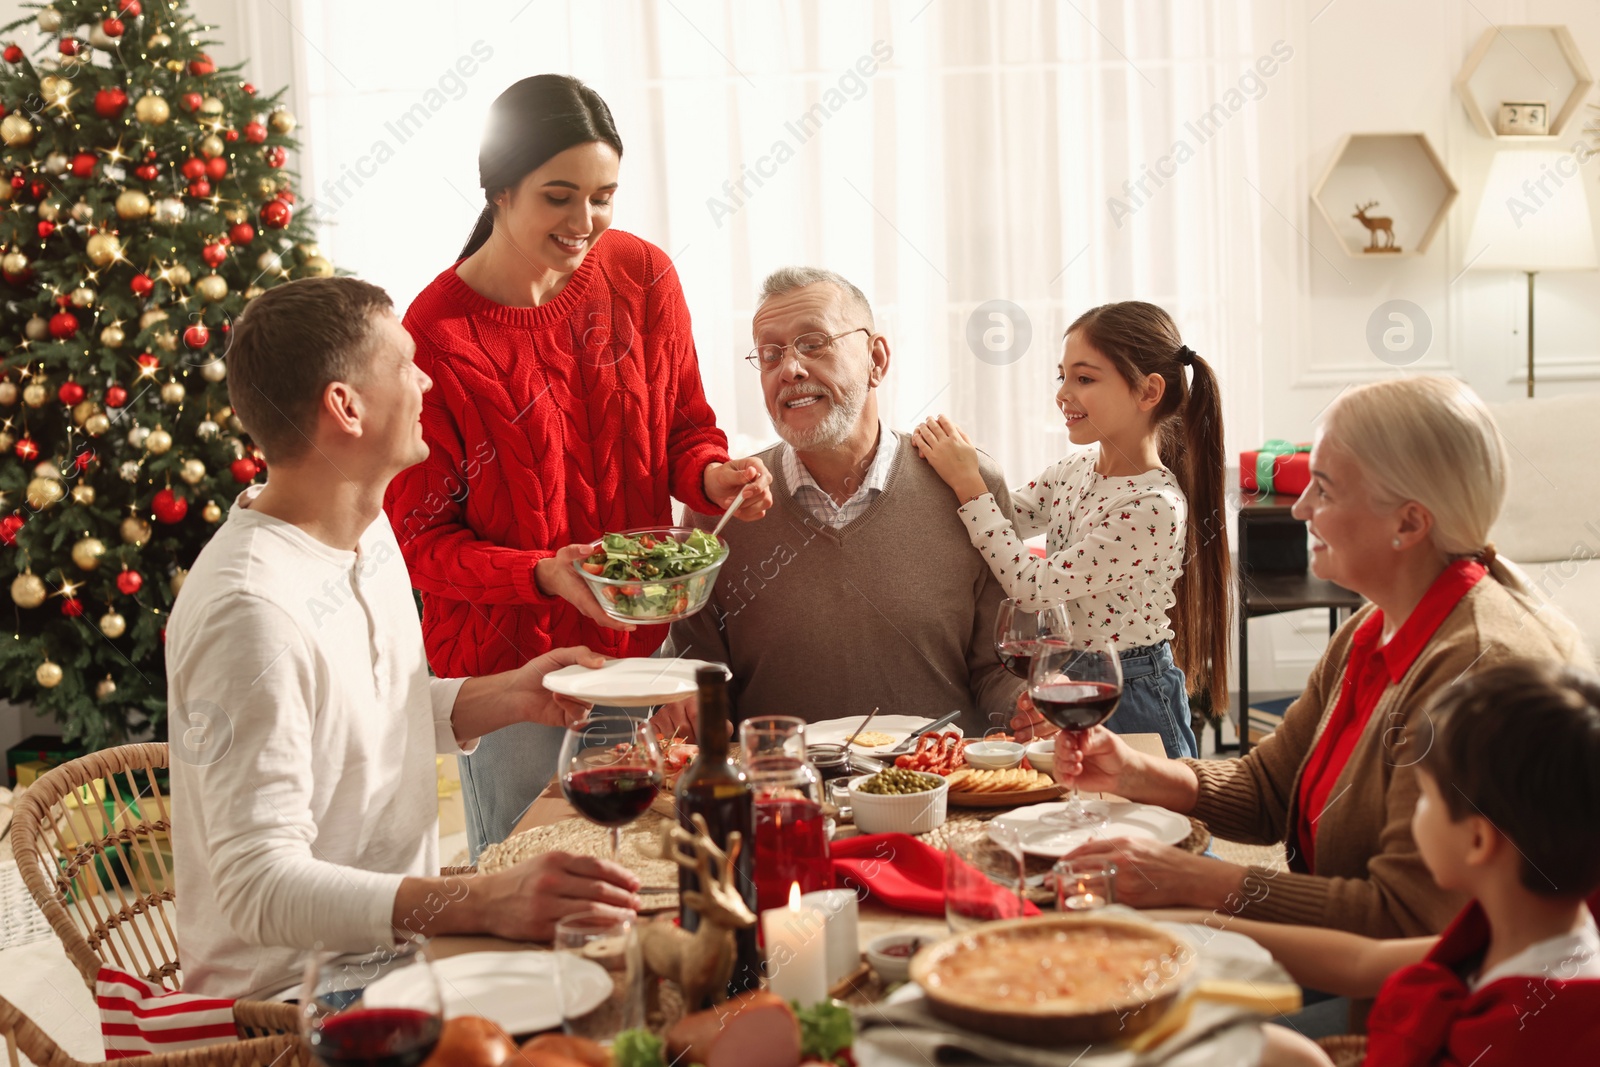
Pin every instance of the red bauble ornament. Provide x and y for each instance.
(190, 101)
(63, 324)
(129, 582)
(13, 54)
(27, 448)
(196, 336)
(113, 27)
(149, 359)
(199, 188)
(18, 181)
(147, 171)
(286, 195)
(216, 168)
(248, 89)
(214, 255)
(255, 132)
(242, 233)
(108, 103)
(83, 165)
(72, 607)
(201, 65)
(70, 393)
(116, 396)
(46, 227)
(83, 459)
(276, 156)
(194, 167)
(9, 526)
(141, 285)
(230, 135)
(129, 8)
(275, 214)
(71, 46)
(169, 508)
(244, 470)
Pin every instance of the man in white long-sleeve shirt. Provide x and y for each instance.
(304, 722)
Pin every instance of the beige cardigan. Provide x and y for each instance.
(1371, 879)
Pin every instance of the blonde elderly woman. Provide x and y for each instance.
(1408, 476)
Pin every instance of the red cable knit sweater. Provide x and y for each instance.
(546, 426)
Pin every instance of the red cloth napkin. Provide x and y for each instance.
(900, 871)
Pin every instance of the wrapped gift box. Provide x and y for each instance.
(1276, 467)
(42, 750)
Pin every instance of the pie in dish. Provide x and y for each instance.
(1055, 979)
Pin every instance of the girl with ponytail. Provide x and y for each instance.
(1136, 544)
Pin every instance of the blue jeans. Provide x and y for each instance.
(509, 769)
(1155, 700)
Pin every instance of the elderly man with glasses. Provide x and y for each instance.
(859, 589)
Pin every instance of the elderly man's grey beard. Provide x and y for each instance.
(833, 430)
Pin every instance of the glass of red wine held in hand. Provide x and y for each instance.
(1018, 631)
(1075, 685)
(610, 768)
(378, 1010)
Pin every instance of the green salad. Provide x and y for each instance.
(665, 569)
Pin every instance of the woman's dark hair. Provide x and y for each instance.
(1519, 745)
(1140, 339)
(531, 122)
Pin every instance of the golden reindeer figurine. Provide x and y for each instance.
(701, 962)
(1375, 225)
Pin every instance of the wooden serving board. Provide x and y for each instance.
(1006, 800)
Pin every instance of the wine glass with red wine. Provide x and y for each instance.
(1018, 631)
(1076, 684)
(610, 768)
(377, 1010)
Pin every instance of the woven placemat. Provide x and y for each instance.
(640, 850)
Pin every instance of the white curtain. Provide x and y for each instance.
(940, 154)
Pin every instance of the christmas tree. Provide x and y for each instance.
(143, 202)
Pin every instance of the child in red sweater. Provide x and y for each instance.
(1510, 813)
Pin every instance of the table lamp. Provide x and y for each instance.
(1534, 216)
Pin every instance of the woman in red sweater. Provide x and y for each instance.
(566, 404)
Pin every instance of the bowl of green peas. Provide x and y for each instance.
(899, 801)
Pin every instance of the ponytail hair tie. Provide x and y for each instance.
(1486, 556)
(1185, 356)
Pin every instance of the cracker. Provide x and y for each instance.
(873, 739)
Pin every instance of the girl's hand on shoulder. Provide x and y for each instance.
(950, 452)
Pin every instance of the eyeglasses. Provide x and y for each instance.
(807, 346)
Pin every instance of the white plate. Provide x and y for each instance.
(627, 683)
(900, 727)
(1039, 837)
(518, 990)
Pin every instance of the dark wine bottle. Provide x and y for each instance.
(714, 786)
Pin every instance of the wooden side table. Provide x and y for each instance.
(1278, 581)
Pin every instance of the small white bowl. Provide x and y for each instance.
(893, 967)
(899, 813)
(1042, 755)
(994, 755)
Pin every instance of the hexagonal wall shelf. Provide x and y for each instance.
(1524, 65)
(1403, 174)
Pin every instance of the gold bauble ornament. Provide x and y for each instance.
(82, 211)
(175, 65)
(317, 267)
(269, 262)
(42, 492)
(113, 625)
(172, 393)
(211, 512)
(166, 340)
(49, 674)
(253, 291)
(211, 146)
(158, 40)
(97, 424)
(112, 336)
(151, 109)
(16, 130)
(103, 248)
(151, 317)
(170, 211)
(6, 193)
(6, 441)
(46, 468)
(16, 263)
(211, 288)
(86, 553)
(8, 392)
(36, 328)
(193, 471)
(106, 689)
(214, 371)
(283, 120)
(83, 297)
(179, 576)
(35, 394)
(27, 590)
(178, 274)
(234, 215)
(83, 493)
(207, 430)
(55, 163)
(50, 210)
(309, 249)
(49, 19)
(160, 441)
(82, 410)
(132, 204)
(134, 530)
(211, 106)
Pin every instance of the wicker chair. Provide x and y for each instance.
(251, 1050)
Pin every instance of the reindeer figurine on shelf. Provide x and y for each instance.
(702, 962)
(1375, 225)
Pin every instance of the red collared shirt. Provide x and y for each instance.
(1372, 668)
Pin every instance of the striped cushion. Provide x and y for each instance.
(139, 1018)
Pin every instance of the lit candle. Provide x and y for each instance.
(797, 953)
(844, 944)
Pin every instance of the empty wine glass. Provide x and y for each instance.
(1018, 631)
(1076, 685)
(379, 1010)
(610, 767)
